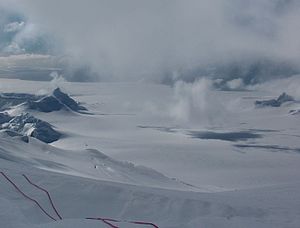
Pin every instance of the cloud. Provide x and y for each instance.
(196, 105)
(19, 35)
(14, 26)
(14, 48)
(173, 40)
(276, 87)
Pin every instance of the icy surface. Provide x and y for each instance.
(147, 166)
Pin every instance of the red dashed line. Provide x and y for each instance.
(48, 194)
(144, 223)
(26, 196)
(107, 221)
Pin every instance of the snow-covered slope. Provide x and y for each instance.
(134, 159)
(78, 198)
(88, 163)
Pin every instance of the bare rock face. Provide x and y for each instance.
(46, 104)
(283, 98)
(27, 125)
(7, 100)
(295, 112)
(54, 102)
(67, 101)
(4, 118)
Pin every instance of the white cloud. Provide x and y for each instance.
(136, 39)
(14, 26)
(235, 84)
(13, 48)
(196, 105)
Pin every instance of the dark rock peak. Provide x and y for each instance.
(65, 99)
(283, 98)
(47, 103)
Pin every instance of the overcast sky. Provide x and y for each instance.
(139, 39)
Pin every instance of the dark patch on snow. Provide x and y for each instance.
(27, 125)
(225, 136)
(159, 128)
(273, 148)
(262, 130)
(283, 98)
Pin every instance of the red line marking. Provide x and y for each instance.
(144, 223)
(106, 221)
(114, 220)
(26, 196)
(48, 194)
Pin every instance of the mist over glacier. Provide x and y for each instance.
(160, 41)
(149, 113)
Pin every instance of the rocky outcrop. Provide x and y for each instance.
(67, 101)
(27, 125)
(56, 101)
(283, 98)
(4, 118)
